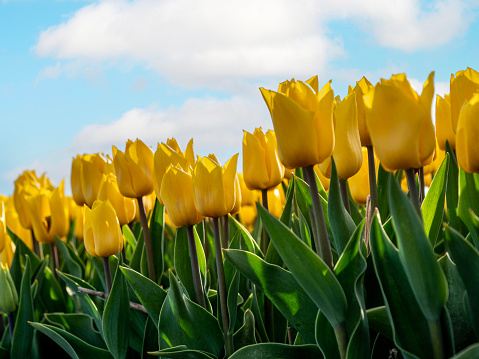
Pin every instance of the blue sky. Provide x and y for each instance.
(80, 76)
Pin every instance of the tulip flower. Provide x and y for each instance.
(467, 135)
(134, 169)
(361, 88)
(262, 168)
(93, 168)
(347, 149)
(124, 207)
(238, 199)
(247, 215)
(248, 197)
(163, 158)
(399, 122)
(102, 234)
(13, 222)
(444, 129)
(49, 214)
(6, 256)
(276, 201)
(214, 186)
(302, 120)
(178, 195)
(462, 86)
(76, 182)
(76, 214)
(3, 227)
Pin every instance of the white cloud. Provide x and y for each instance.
(218, 44)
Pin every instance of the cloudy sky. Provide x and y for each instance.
(80, 76)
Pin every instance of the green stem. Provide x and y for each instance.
(436, 338)
(106, 269)
(342, 338)
(265, 241)
(148, 246)
(343, 185)
(222, 289)
(413, 192)
(195, 268)
(321, 241)
(373, 188)
(420, 176)
(37, 248)
(55, 262)
(226, 232)
(11, 325)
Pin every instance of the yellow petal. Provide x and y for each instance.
(106, 229)
(210, 198)
(467, 149)
(444, 130)
(255, 169)
(77, 190)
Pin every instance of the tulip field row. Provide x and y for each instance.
(351, 232)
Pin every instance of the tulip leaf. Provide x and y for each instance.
(342, 225)
(87, 305)
(247, 241)
(432, 208)
(326, 338)
(21, 250)
(183, 261)
(452, 189)
(471, 352)
(116, 318)
(403, 309)
(150, 339)
(469, 201)
(232, 301)
(245, 335)
(180, 352)
(466, 258)
(350, 271)
(135, 262)
(316, 278)
(72, 264)
(22, 332)
(277, 350)
(150, 294)
(378, 320)
(417, 255)
(71, 344)
(199, 329)
(288, 208)
(383, 192)
(280, 287)
(79, 325)
(50, 293)
(157, 224)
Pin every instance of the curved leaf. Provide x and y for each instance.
(276, 350)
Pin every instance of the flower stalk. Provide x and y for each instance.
(343, 185)
(106, 269)
(148, 244)
(373, 188)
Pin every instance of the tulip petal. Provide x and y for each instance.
(209, 190)
(106, 229)
(255, 170)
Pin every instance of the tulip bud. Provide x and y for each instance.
(8, 293)
(76, 183)
(302, 121)
(93, 167)
(124, 207)
(102, 233)
(214, 186)
(361, 88)
(347, 149)
(134, 169)
(238, 198)
(262, 168)
(467, 134)
(178, 195)
(444, 130)
(462, 86)
(276, 201)
(407, 138)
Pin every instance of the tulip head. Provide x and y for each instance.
(134, 169)
(178, 196)
(76, 214)
(124, 207)
(467, 135)
(462, 86)
(347, 149)
(214, 186)
(8, 294)
(76, 182)
(3, 227)
(262, 168)
(248, 197)
(92, 170)
(399, 122)
(238, 199)
(302, 120)
(444, 130)
(102, 233)
(362, 87)
(276, 201)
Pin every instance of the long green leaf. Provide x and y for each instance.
(182, 352)
(452, 189)
(157, 225)
(280, 287)
(342, 225)
(471, 352)
(317, 280)
(276, 350)
(22, 332)
(73, 265)
(72, 345)
(378, 320)
(245, 335)
(469, 200)
(417, 255)
(116, 318)
(432, 208)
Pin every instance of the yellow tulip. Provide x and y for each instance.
(262, 168)
(178, 196)
(124, 207)
(302, 120)
(444, 129)
(288, 173)
(6, 256)
(76, 213)
(437, 160)
(362, 87)
(467, 135)
(248, 197)
(13, 222)
(322, 178)
(247, 215)
(214, 186)
(347, 149)
(49, 214)
(276, 201)
(102, 233)
(359, 183)
(76, 182)
(92, 170)
(238, 199)
(163, 158)
(134, 169)
(462, 86)
(399, 122)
